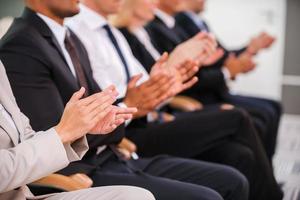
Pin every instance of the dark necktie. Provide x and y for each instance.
(118, 49)
(70, 47)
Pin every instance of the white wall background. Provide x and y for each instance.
(234, 22)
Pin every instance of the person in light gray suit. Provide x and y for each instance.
(27, 155)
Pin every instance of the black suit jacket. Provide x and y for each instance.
(163, 38)
(40, 77)
(138, 49)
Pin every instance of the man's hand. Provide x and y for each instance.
(247, 63)
(82, 115)
(113, 119)
(198, 49)
(241, 64)
(184, 74)
(213, 58)
(148, 95)
(262, 41)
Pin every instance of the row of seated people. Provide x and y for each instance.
(192, 138)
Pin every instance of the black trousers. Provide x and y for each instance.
(170, 178)
(264, 111)
(226, 137)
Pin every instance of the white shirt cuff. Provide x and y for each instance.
(123, 105)
(226, 74)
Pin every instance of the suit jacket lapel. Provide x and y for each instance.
(48, 40)
(166, 31)
(40, 26)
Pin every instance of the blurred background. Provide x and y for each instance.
(278, 72)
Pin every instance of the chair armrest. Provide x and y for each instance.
(185, 103)
(66, 183)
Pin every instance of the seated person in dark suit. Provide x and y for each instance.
(233, 63)
(139, 12)
(49, 63)
(213, 87)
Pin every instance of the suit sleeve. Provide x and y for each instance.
(32, 159)
(74, 151)
(38, 155)
(210, 78)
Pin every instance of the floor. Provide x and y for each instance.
(287, 159)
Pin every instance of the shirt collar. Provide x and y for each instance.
(167, 19)
(194, 16)
(92, 18)
(58, 30)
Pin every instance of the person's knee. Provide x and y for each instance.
(246, 157)
(136, 193)
(211, 195)
(238, 184)
(277, 106)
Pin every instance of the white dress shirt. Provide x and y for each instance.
(106, 64)
(7, 116)
(59, 32)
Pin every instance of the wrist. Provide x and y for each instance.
(61, 133)
(128, 102)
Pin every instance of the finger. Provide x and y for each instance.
(190, 83)
(111, 90)
(100, 113)
(99, 105)
(154, 80)
(160, 86)
(77, 95)
(190, 73)
(130, 110)
(124, 116)
(163, 58)
(158, 80)
(103, 123)
(161, 91)
(96, 97)
(133, 81)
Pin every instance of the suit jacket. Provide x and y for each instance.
(163, 38)
(23, 151)
(138, 49)
(40, 77)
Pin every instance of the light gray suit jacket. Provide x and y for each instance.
(26, 155)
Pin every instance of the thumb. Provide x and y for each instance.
(133, 81)
(77, 95)
(163, 58)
